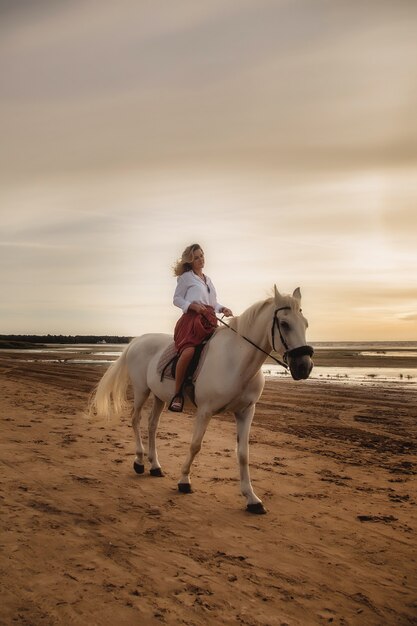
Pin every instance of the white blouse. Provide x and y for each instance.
(191, 288)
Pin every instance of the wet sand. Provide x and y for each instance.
(86, 540)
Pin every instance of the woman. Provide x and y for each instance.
(196, 296)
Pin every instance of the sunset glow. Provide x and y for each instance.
(280, 136)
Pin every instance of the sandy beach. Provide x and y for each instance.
(86, 540)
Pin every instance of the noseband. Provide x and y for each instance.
(295, 352)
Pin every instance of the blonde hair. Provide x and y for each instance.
(184, 264)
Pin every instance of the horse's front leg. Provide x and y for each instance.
(200, 426)
(243, 423)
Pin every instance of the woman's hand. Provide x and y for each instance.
(226, 312)
(197, 307)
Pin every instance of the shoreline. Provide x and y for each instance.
(323, 357)
(331, 366)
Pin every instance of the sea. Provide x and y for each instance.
(404, 376)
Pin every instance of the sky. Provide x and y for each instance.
(280, 135)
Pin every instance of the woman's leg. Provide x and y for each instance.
(182, 366)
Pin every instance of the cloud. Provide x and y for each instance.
(265, 131)
(409, 317)
(287, 85)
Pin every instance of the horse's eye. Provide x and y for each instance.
(285, 325)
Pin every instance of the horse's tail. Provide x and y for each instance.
(109, 397)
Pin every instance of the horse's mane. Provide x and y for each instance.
(245, 320)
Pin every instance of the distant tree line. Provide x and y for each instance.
(63, 338)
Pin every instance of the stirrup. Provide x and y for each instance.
(177, 403)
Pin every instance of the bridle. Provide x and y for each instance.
(305, 350)
(300, 351)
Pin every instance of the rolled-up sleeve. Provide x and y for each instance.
(180, 294)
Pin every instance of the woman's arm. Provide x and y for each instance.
(180, 294)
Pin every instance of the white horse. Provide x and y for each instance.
(230, 379)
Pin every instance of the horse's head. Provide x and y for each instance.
(289, 326)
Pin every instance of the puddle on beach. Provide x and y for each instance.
(65, 360)
(390, 353)
(351, 374)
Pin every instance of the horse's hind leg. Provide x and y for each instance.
(154, 416)
(139, 401)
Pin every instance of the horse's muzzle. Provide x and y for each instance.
(299, 361)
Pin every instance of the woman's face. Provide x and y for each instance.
(198, 260)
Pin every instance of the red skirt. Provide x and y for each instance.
(193, 328)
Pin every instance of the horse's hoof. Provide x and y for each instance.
(139, 469)
(257, 508)
(184, 488)
(156, 471)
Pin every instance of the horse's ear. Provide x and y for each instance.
(297, 294)
(277, 295)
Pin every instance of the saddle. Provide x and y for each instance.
(167, 365)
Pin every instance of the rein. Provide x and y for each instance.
(300, 351)
(254, 344)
